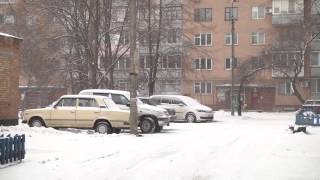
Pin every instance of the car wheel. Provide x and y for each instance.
(158, 128)
(116, 130)
(147, 125)
(191, 118)
(36, 122)
(103, 128)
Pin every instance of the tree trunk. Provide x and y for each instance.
(134, 70)
(239, 97)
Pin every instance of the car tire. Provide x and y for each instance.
(147, 125)
(158, 128)
(191, 118)
(103, 128)
(116, 130)
(36, 122)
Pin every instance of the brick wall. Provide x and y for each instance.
(9, 79)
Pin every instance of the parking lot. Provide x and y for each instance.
(255, 146)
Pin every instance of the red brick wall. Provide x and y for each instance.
(9, 79)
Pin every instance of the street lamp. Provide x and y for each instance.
(232, 57)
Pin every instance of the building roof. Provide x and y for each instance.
(10, 36)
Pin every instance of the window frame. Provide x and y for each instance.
(197, 64)
(208, 15)
(286, 93)
(258, 37)
(257, 8)
(227, 13)
(228, 35)
(199, 37)
(318, 63)
(200, 84)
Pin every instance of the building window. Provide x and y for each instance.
(203, 39)
(285, 88)
(258, 62)
(228, 37)
(202, 64)
(145, 61)
(203, 14)
(169, 85)
(173, 36)
(122, 85)
(316, 36)
(258, 38)
(203, 88)
(31, 20)
(286, 6)
(228, 13)
(315, 87)
(123, 63)
(124, 38)
(7, 19)
(228, 63)
(171, 62)
(315, 58)
(258, 12)
(6, 1)
(172, 13)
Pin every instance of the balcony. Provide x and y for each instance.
(287, 19)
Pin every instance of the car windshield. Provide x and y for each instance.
(110, 104)
(190, 101)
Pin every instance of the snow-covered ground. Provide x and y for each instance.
(256, 146)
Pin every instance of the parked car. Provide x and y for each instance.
(157, 117)
(187, 108)
(80, 111)
(171, 111)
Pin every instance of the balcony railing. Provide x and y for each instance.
(287, 19)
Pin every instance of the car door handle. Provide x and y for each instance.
(96, 112)
(72, 111)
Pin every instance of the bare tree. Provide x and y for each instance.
(246, 73)
(291, 52)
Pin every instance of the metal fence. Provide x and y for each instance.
(12, 148)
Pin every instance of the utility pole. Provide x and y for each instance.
(134, 69)
(232, 59)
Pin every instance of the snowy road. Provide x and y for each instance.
(257, 146)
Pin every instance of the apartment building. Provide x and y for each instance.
(259, 24)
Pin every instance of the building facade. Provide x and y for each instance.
(259, 26)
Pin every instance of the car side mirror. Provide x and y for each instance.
(128, 104)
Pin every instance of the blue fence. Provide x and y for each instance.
(12, 148)
(308, 119)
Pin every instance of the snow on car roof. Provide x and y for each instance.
(10, 36)
(82, 96)
(106, 91)
(168, 95)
